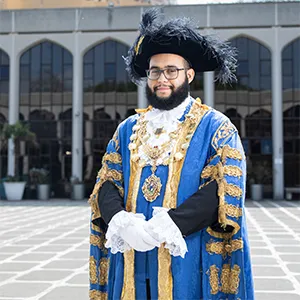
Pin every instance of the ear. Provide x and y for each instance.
(190, 75)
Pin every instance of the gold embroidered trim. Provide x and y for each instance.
(205, 184)
(95, 207)
(93, 270)
(225, 275)
(224, 248)
(143, 110)
(106, 173)
(128, 290)
(225, 235)
(96, 228)
(115, 139)
(98, 295)
(137, 46)
(225, 130)
(229, 152)
(233, 171)
(103, 270)
(98, 241)
(230, 279)
(113, 157)
(233, 190)
(103, 175)
(233, 211)
(219, 171)
(165, 287)
(193, 119)
(235, 279)
(214, 279)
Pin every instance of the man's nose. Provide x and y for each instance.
(162, 78)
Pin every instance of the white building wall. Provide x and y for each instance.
(274, 25)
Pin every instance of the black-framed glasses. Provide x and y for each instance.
(169, 72)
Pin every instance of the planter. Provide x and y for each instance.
(43, 191)
(14, 190)
(256, 192)
(77, 191)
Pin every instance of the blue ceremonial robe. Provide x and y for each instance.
(217, 264)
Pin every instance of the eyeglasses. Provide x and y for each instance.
(169, 72)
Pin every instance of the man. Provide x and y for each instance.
(168, 218)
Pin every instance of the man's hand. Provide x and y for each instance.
(162, 229)
(136, 236)
(126, 231)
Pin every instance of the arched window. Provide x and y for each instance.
(4, 79)
(106, 83)
(4, 89)
(251, 97)
(235, 117)
(46, 72)
(108, 96)
(196, 87)
(291, 114)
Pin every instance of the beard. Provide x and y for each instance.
(176, 98)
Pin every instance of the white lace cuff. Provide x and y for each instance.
(166, 231)
(119, 221)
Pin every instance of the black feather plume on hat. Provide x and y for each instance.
(179, 36)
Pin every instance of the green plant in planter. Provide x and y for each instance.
(18, 132)
(39, 176)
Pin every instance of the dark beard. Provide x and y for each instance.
(175, 99)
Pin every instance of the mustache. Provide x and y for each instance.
(162, 86)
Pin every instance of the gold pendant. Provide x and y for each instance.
(151, 188)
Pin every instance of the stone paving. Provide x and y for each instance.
(44, 249)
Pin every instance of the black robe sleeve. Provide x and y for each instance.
(196, 213)
(109, 200)
(199, 211)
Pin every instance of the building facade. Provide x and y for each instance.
(34, 4)
(61, 70)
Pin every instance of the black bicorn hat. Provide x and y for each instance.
(179, 36)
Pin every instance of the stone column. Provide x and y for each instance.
(13, 105)
(77, 110)
(277, 120)
(142, 100)
(209, 89)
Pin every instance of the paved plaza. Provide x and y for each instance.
(44, 249)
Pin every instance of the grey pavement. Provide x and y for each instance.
(44, 249)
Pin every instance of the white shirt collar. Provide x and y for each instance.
(157, 116)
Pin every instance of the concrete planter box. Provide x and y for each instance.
(257, 192)
(14, 190)
(43, 191)
(77, 191)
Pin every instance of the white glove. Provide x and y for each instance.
(136, 236)
(162, 228)
(126, 231)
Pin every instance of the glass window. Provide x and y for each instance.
(46, 53)
(110, 71)
(108, 96)
(243, 68)
(291, 114)
(265, 67)
(46, 72)
(248, 103)
(4, 72)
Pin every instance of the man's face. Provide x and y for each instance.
(167, 93)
